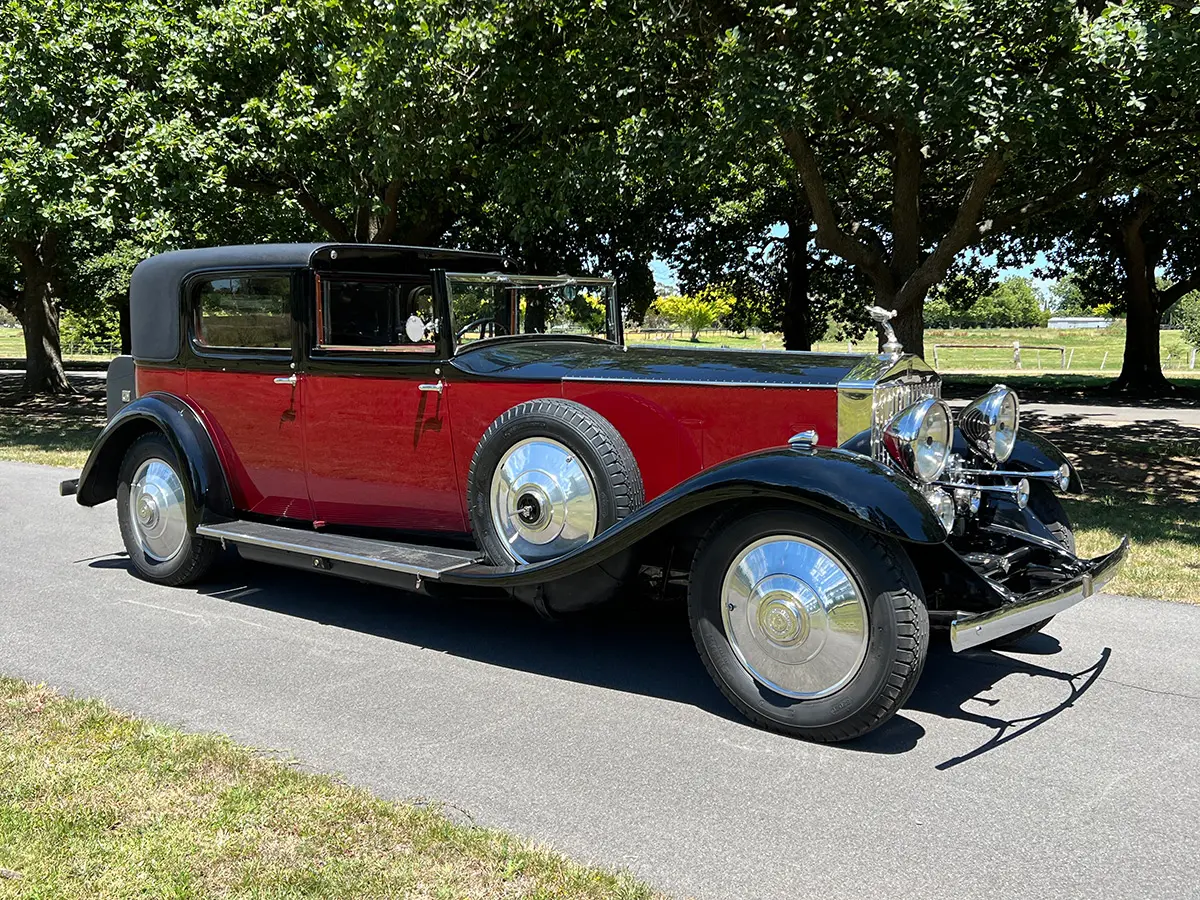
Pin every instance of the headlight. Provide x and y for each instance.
(943, 507)
(918, 439)
(990, 423)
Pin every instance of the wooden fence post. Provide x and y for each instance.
(1017, 353)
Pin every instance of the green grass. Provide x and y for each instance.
(1097, 352)
(12, 346)
(1164, 559)
(52, 431)
(94, 803)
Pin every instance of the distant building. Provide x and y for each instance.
(1068, 322)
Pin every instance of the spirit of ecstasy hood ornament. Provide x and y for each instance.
(883, 318)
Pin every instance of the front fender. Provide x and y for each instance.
(838, 482)
(209, 496)
(1034, 453)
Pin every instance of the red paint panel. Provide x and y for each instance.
(476, 405)
(380, 453)
(675, 431)
(256, 424)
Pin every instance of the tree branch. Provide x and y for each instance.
(829, 234)
(1178, 291)
(906, 215)
(391, 200)
(965, 228)
(322, 215)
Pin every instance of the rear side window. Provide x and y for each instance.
(244, 311)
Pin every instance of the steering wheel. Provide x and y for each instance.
(484, 325)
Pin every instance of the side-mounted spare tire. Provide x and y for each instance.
(547, 477)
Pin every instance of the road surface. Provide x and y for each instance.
(1071, 769)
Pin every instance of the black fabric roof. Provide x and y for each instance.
(154, 290)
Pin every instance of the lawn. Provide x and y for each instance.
(12, 347)
(94, 803)
(1088, 351)
(53, 431)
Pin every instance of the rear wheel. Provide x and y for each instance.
(152, 505)
(810, 626)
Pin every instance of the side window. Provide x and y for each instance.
(244, 311)
(375, 315)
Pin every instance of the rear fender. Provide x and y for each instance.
(839, 483)
(171, 416)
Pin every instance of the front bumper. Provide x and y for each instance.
(974, 629)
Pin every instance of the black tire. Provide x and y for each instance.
(1049, 509)
(897, 625)
(195, 556)
(592, 438)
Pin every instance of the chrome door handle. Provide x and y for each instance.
(433, 388)
(290, 379)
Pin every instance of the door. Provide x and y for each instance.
(241, 375)
(376, 413)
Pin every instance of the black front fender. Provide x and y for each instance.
(838, 482)
(165, 413)
(1034, 453)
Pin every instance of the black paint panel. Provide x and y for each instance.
(531, 358)
(209, 495)
(842, 484)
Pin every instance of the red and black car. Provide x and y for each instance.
(428, 419)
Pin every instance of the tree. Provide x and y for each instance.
(697, 310)
(70, 147)
(1188, 316)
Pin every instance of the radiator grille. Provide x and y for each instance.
(892, 397)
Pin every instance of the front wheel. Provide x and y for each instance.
(810, 626)
(152, 502)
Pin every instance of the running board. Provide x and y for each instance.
(356, 557)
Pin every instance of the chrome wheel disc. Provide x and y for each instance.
(794, 616)
(543, 500)
(157, 511)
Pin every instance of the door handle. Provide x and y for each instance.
(290, 379)
(432, 388)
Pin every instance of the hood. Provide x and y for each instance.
(556, 358)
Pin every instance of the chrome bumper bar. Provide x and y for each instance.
(979, 628)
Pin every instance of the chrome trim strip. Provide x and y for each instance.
(713, 383)
(215, 531)
(980, 628)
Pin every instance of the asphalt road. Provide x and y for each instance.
(1071, 769)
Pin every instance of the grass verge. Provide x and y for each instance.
(1164, 559)
(94, 803)
(53, 431)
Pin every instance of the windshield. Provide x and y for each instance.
(487, 306)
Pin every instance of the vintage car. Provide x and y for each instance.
(428, 419)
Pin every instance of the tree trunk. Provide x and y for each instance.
(44, 372)
(1141, 372)
(909, 325)
(797, 308)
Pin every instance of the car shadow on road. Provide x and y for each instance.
(640, 647)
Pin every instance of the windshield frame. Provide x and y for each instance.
(614, 333)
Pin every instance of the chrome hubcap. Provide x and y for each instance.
(794, 616)
(543, 500)
(158, 513)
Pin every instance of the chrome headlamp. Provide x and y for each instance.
(919, 439)
(990, 423)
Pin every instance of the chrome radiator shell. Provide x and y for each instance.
(876, 390)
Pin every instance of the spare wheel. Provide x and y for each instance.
(547, 477)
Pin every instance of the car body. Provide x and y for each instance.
(429, 419)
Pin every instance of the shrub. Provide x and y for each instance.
(698, 310)
(97, 331)
(1187, 314)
